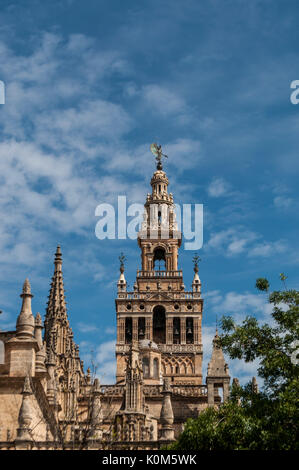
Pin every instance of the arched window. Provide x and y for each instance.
(128, 330)
(145, 367)
(159, 325)
(160, 257)
(141, 328)
(2, 354)
(176, 331)
(156, 368)
(189, 331)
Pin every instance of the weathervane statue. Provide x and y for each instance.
(157, 151)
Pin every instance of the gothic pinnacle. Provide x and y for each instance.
(25, 322)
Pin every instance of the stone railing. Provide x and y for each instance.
(160, 274)
(166, 348)
(112, 390)
(145, 295)
(177, 390)
(182, 390)
(180, 348)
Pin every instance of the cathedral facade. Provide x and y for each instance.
(48, 401)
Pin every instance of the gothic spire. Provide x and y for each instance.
(56, 312)
(217, 366)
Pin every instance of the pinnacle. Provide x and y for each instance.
(26, 287)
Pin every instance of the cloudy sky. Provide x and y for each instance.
(88, 87)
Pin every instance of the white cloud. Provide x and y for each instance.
(163, 101)
(86, 327)
(267, 249)
(218, 187)
(283, 202)
(235, 241)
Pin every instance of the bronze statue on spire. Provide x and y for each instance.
(157, 152)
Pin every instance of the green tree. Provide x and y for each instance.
(266, 420)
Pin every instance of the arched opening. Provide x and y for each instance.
(128, 330)
(141, 328)
(189, 331)
(159, 258)
(176, 331)
(156, 368)
(145, 367)
(2, 355)
(159, 330)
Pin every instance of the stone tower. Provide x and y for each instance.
(160, 313)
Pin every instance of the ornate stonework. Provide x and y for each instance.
(49, 402)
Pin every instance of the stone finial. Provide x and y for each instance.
(58, 255)
(254, 385)
(38, 324)
(26, 287)
(41, 354)
(25, 413)
(25, 322)
(166, 415)
(96, 412)
(88, 375)
(122, 283)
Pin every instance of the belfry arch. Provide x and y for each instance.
(159, 324)
(159, 256)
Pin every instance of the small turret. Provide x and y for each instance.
(196, 284)
(122, 283)
(25, 321)
(218, 372)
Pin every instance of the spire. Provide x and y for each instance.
(25, 321)
(217, 366)
(56, 310)
(166, 415)
(41, 354)
(134, 400)
(96, 417)
(56, 303)
(122, 283)
(196, 284)
(218, 373)
(254, 385)
(25, 413)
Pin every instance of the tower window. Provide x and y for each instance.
(189, 331)
(159, 218)
(176, 331)
(145, 367)
(128, 330)
(159, 325)
(156, 368)
(141, 328)
(159, 255)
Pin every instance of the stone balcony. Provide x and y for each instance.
(159, 274)
(166, 348)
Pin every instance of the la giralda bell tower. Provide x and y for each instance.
(160, 320)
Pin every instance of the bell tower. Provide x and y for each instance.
(160, 313)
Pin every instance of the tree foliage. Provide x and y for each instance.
(267, 420)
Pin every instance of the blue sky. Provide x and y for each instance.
(88, 87)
